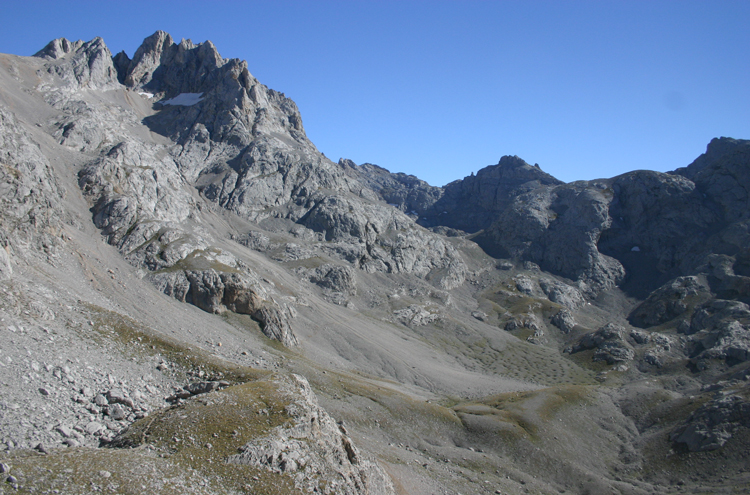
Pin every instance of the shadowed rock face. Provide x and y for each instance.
(475, 202)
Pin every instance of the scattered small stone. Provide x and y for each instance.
(196, 388)
(64, 431)
(12, 479)
(94, 427)
(118, 396)
(117, 412)
(43, 391)
(100, 400)
(40, 447)
(72, 442)
(479, 315)
(4, 468)
(105, 474)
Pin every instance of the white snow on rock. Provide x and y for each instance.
(147, 95)
(184, 99)
(636, 249)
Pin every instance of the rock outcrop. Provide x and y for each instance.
(670, 301)
(81, 65)
(720, 329)
(31, 216)
(711, 426)
(314, 449)
(475, 202)
(608, 343)
(240, 292)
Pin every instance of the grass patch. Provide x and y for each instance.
(521, 411)
(178, 450)
(199, 260)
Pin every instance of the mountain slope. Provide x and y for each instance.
(186, 280)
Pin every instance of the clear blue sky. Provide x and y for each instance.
(440, 89)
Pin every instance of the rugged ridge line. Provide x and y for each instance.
(549, 337)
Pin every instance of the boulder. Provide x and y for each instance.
(562, 294)
(713, 424)
(608, 343)
(564, 320)
(337, 278)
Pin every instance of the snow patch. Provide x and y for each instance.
(184, 99)
(636, 249)
(147, 95)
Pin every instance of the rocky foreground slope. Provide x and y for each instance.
(193, 299)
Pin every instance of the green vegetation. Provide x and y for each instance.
(182, 449)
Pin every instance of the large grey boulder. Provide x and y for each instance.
(206, 289)
(728, 275)
(337, 278)
(721, 330)
(562, 294)
(564, 320)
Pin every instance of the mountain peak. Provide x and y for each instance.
(58, 48)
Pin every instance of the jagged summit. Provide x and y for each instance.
(723, 155)
(89, 66)
(160, 65)
(60, 47)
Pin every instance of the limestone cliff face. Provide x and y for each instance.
(237, 143)
(31, 216)
(475, 202)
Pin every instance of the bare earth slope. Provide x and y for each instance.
(193, 299)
